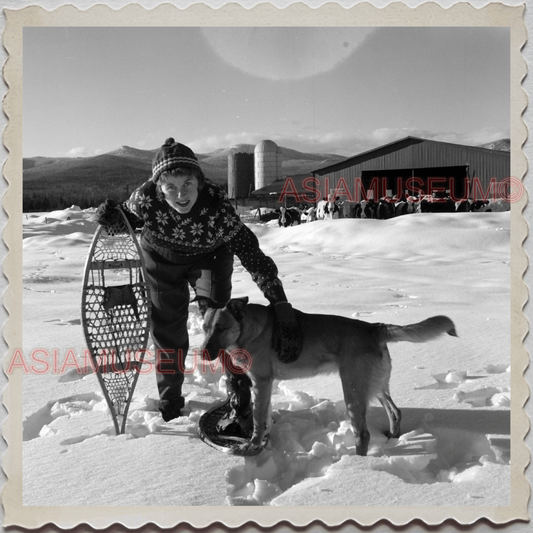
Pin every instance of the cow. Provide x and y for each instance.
(289, 217)
(385, 208)
(364, 209)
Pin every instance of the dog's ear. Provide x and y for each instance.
(236, 307)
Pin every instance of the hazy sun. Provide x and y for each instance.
(285, 53)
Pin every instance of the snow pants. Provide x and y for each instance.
(169, 280)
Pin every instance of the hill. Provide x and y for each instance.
(504, 145)
(58, 182)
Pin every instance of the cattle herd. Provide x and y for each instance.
(384, 209)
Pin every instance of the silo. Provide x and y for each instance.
(267, 157)
(240, 174)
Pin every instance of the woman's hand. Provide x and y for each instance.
(108, 213)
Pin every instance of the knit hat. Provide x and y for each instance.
(173, 155)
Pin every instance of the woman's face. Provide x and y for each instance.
(181, 192)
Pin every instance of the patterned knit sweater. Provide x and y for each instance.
(211, 223)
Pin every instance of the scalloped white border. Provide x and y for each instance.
(395, 13)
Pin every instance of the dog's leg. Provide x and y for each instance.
(394, 414)
(262, 389)
(356, 398)
(383, 395)
(357, 414)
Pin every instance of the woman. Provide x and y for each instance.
(190, 234)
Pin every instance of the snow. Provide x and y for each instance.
(454, 393)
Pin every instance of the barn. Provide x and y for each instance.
(288, 191)
(416, 166)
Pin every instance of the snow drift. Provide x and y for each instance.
(454, 393)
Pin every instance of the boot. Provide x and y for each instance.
(239, 421)
(170, 409)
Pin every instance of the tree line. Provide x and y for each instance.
(40, 200)
(43, 200)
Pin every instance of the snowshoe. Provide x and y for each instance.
(218, 430)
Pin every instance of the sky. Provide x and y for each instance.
(88, 91)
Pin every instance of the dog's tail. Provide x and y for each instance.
(421, 332)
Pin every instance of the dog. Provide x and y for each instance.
(355, 349)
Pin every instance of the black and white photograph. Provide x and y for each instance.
(269, 265)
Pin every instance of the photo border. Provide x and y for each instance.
(397, 14)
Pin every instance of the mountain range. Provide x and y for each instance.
(86, 181)
(504, 145)
(127, 166)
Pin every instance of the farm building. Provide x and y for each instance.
(248, 171)
(267, 157)
(416, 166)
(289, 189)
(240, 174)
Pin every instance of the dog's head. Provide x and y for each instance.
(222, 327)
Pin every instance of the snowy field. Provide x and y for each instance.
(454, 393)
